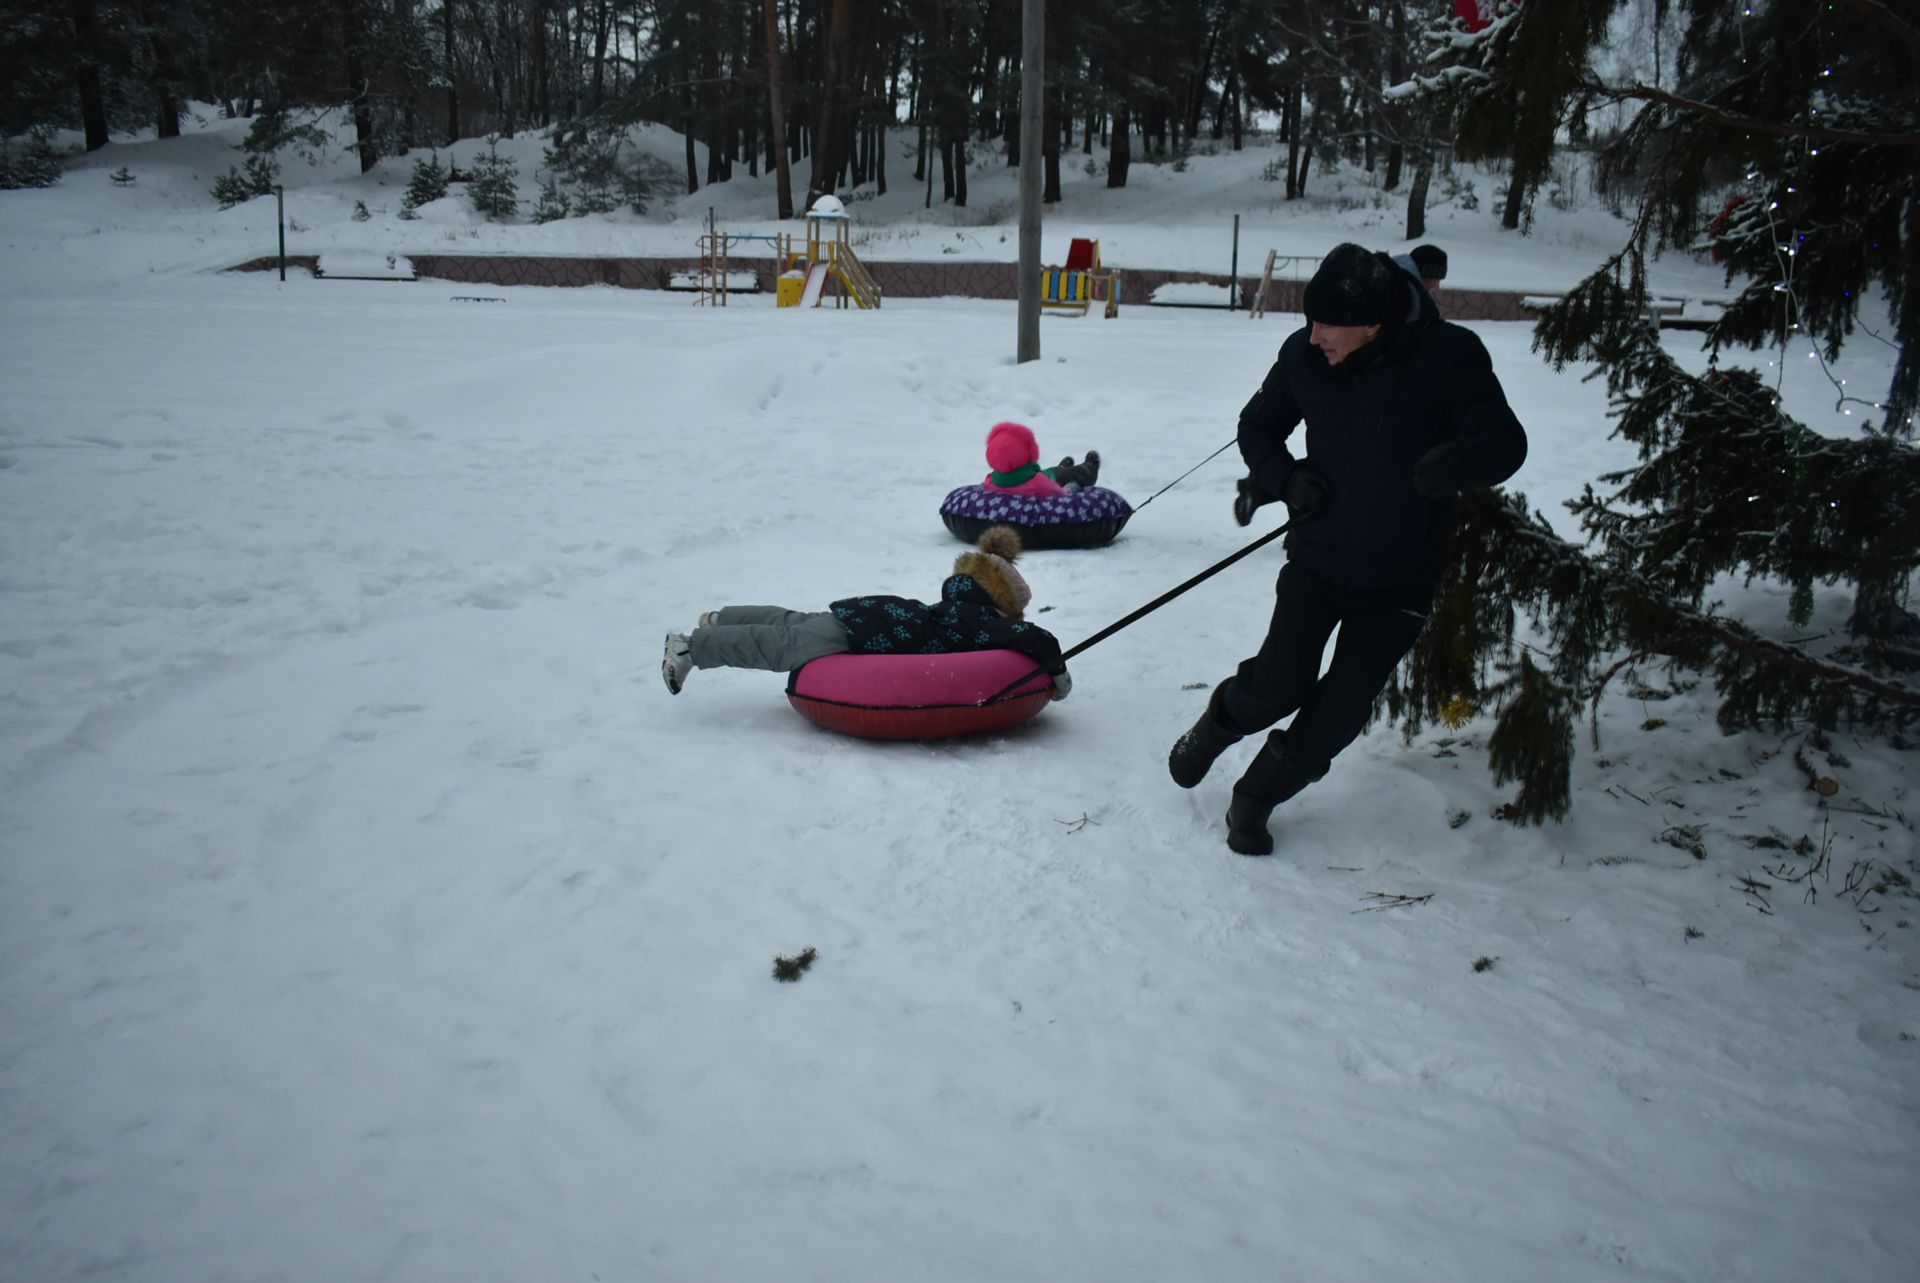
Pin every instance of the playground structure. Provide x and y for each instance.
(718, 278)
(802, 277)
(828, 264)
(1081, 283)
(1298, 267)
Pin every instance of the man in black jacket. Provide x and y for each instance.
(1402, 412)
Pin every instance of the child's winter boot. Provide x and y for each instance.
(676, 662)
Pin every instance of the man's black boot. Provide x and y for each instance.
(1273, 776)
(1194, 752)
(1247, 831)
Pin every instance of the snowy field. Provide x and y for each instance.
(369, 910)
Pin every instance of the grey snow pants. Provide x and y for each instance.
(770, 637)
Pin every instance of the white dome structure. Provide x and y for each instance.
(828, 206)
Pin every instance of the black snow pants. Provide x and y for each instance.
(1376, 629)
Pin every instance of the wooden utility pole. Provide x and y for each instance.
(1033, 115)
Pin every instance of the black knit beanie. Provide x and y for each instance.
(1431, 260)
(1353, 286)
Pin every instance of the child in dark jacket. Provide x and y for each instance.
(1013, 452)
(981, 607)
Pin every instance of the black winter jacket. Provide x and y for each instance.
(1421, 382)
(965, 618)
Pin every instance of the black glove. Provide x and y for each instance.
(1307, 491)
(1441, 471)
(1250, 496)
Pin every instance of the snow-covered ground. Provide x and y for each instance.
(368, 909)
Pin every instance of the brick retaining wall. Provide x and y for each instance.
(896, 280)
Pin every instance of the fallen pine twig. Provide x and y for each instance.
(1386, 900)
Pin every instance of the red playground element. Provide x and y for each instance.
(920, 697)
(1477, 14)
(1083, 282)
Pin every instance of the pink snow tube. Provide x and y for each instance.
(920, 697)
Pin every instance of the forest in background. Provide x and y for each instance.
(759, 84)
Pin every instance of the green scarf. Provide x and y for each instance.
(1018, 477)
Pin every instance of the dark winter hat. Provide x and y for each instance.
(992, 568)
(1353, 286)
(1431, 260)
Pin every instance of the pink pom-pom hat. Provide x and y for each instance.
(1011, 446)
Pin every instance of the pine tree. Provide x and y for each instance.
(259, 178)
(1789, 144)
(494, 188)
(552, 206)
(32, 164)
(428, 183)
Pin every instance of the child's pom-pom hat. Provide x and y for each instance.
(1011, 446)
(992, 568)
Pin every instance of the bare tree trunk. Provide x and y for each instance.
(572, 29)
(831, 137)
(165, 76)
(1120, 154)
(1197, 86)
(712, 109)
(495, 74)
(1293, 116)
(686, 131)
(1050, 149)
(542, 106)
(783, 188)
(1417, 194)
(1396, 117)
(1516, 198)
(453, 72)
(991, 121)
(917, 112)
(602, 25)
(1224, 103)
(501, 55)
(358, 91)
(93, 102)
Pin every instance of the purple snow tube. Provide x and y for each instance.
(1077, 519)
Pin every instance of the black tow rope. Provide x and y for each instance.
(1149, 608)
(1183, 476)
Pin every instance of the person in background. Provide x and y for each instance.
(1402, 411)
(1428, 264)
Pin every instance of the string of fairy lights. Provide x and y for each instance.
(1786, 253)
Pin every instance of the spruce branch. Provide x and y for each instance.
(1878, 13)
(1639, 92)
(787, 970)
